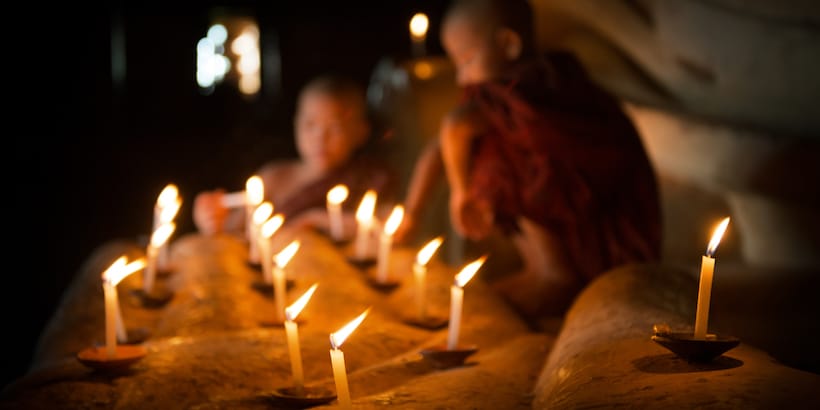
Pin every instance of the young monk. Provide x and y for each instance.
(333, 139)
(537, 153)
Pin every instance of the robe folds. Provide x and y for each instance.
(559, 150)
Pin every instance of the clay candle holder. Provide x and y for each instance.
(124, 356)
(688, 347)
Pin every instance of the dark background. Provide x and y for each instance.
(90, 158)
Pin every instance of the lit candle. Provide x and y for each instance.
(386, 242)
(279, 283)
(113, 319)
(167, 198)
(254, 195)
(158, 238)
(335, 197)
(364, 220)
(261, 214)
(292, 330)
(267, 230)
(167, 215)
(457, 299)
(707, 268)
(418, 33)
(420, 275)
(337, 359)
(234, 199)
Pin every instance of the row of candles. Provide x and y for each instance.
(262, 225)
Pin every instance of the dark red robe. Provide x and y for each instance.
(561, 152)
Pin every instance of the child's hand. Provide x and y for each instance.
(470, 217)
(209, 212)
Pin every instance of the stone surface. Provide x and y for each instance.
(209, 348)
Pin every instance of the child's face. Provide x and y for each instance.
(328, 131)
(472, 49)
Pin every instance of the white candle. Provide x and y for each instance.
(167, 215)
(167, 197)
(262, 212)
(159, 237)
(364, 220)
(114, 327)
(707, 268)
(234, 199)
(254, 195)
(418, 33)
(292, 330)
(279, 279)
(420, 275)
(386, 242)
(335, 197)
(337, 359)
(457, 299)
(267, 230)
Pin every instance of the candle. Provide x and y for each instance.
(262, 212)
(457, 299)
(335, 197)
(707, 268)
(158, 238)
(364, 220)
(113, 318)
(292, 330)
(279, 283)
(234, 199)
(167, 215)
(418, 33)
(267, 230)
(254, 195)
(420, 275)
(386, 242)
(337, 359)
(167, 198)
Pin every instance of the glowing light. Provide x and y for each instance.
(423, 70)
(428, 250)
(364, 213)
(119, 270)
(337, 194)
(716, 237)
(255, 190)
(161, 235)
(217, 33)
(419, 25)
(262, 213)
(468, 271)
(292, 311)
(284, 256)
(394, 220)
(272, 225)
(339, 337)
(249, 84)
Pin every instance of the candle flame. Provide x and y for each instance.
(272, 225)
(168, 196)
(283, 257)
(394, 220)
(419, 25)
(337, 194)
(161, 235)
(339, 337)
(428, 250)
(716, 236)
(468, 271)
(255, 190)
(364, 214)
(262, 212)
(119, 270)
(169, 211)
(296, 307)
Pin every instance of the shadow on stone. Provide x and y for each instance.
(670, 363)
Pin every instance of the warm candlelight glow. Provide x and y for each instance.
(364, 214)
(394, 220)
(254, 190)
(283, 257)
(468, 271)
(716, 237)
(339, 337)
(337, 194)
(119, 270)
(419, 25)
(428, 250)
(169, 211)
(272, 225)
(292, 311)
(161, 235)
(262, 212)
(168, 196)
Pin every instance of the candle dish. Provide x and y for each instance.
(383, 285)
(308, 396)
(441, 357)
(685, 346)
(361, 263)
(266, 289)
(97, 358)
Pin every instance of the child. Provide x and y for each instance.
(539, 154)
(332, 131)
